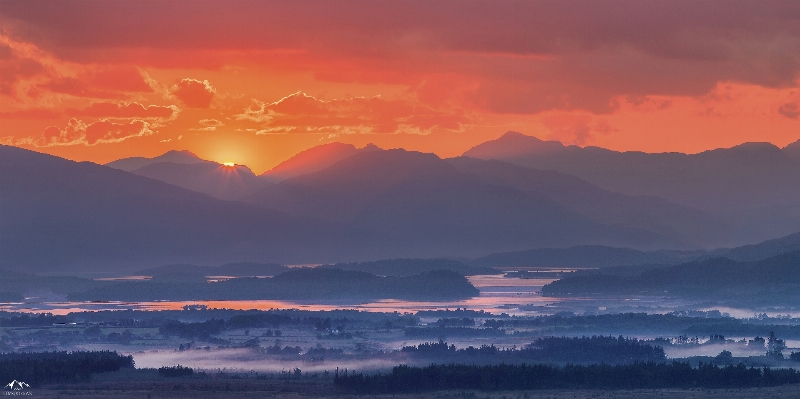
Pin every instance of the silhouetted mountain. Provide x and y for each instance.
(755, 187)
(595, 256)
(592, 256)
(313, 160)
(793, 149)
(64, 215)
(410, 267)
(773, 280)
(679, 223)
(432, 208)
(217, 180)
(763, 249)
(133, 163)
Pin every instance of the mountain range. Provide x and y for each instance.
(187, 170)
(338, 203)
(63, 215)
(753, 187)
(459, 206)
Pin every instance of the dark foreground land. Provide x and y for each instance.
(248, 389)
(110, 375)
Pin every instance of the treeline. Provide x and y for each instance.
(641, 375)
(62, 367)
(638, 323)
(595, 349)
(613, 350)
(175, 371)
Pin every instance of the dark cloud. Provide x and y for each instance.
(790, 110)
(517, 56)
(14, 68)
(99, 82)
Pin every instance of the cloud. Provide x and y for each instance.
(523, 57)
(98, 82)
(126, 110)
(15, 67)
(208, 125)
(302, 113)
(790, 110)
(194, 93)
(575, 129)
(34, 113)
(78, 132)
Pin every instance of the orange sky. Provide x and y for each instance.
(255, 82)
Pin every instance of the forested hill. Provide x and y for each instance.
(775, 279)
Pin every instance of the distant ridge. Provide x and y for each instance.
(187, 170)
(793, 149)
(219, 181)
(313, 159)
(767, 282)
(596, 256)
(465, 206)
(513, 144)
(79, 216)
(133, 163)
(410, 267)
(754, 187)
(240, 269)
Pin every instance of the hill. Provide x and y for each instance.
(774, 280)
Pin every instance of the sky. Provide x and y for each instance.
(255, 82)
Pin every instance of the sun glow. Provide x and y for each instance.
(229, 164)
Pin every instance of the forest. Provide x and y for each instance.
(639, 375)
(65, 367)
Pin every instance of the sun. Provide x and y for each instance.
(229, 164)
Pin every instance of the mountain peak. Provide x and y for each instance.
(371, 147)
(174, 156)
(313, 159)
(793, 149)
(513, 144)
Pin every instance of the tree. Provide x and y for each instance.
(775, 346)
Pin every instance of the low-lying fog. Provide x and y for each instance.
(245, 359)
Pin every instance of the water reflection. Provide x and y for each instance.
(516, 296)
(498, 294)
